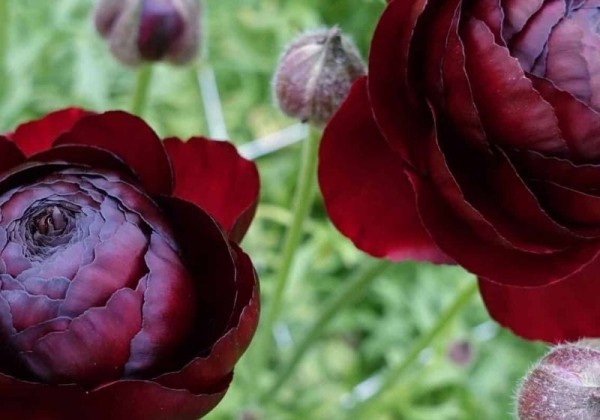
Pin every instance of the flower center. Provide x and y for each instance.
(46, 226)
(53, 221)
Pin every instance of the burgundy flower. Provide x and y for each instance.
(123, 292)
(476, 138)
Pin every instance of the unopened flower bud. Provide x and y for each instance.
(150, 30)
(565, 384)
(315, 74)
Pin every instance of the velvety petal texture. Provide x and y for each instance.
(475, 139)
(121, 290)
(212, 175)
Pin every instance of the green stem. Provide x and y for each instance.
(142, 86)
(350, 292)
(301, 206)
(391, 378)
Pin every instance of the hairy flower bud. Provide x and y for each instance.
(565, 384)
(150, 30)
(315, 74)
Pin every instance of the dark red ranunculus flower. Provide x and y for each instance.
(123, 292)
(476, 138)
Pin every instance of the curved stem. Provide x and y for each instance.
(142, 85)
(391, 378)
(301, 206)
(350, 292)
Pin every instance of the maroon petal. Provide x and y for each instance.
(210, 260)
(169, 305)
(212, 175)
(571, 205)
(399, 113)
(10, 155)
(489, 259)
(36, 136)
(84, 155)
(131, 140)
(564, 311)
(497, 78)
(121, 400)
(560, 171)
(459, 102)
(483, 191)
(579, 123)
(366, 192)
(203, 373)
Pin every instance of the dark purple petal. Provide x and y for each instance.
(94, 347)
(204, 372)
(211, 265)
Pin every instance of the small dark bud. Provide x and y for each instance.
(565, 384)
(315, 73)
(150, 30)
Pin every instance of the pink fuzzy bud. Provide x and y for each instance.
(315, 74)
(564, 385)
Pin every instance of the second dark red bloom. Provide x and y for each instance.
(475, 139)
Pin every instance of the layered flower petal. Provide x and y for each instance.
(132, 140)
(212, 175)
(359, 171)
(564, 311)
(36, 136)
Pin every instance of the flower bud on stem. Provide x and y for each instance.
(564, 384)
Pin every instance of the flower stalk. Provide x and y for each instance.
(349, 294)
(301, 205)
(464, 297)
(142, 87)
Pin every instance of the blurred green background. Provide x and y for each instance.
(55, 59)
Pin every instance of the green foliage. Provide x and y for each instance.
(55, 59)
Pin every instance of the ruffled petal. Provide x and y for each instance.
(366, 192)
(132, 140)
(212, 175)
(36, 136)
